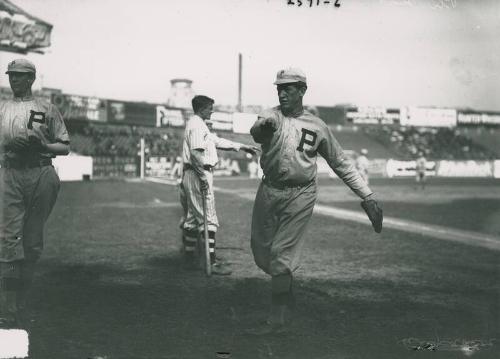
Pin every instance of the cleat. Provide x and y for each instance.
(219, 268)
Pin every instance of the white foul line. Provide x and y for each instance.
(445, 233)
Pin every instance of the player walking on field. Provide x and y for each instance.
(199, 155)
(291, 139)
(362, 164)
(32, 132)
(420, 165)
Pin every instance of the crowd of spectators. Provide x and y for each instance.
(403, 142)
(435, 143)
(121, 140)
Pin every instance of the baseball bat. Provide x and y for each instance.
(208, 267)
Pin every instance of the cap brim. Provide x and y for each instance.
(290, 81)
(19, 71)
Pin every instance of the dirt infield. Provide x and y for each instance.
(110, 283)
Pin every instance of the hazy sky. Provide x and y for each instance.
(378, 52)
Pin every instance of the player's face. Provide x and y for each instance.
(206, 112)
(290, 96)
(21, 82)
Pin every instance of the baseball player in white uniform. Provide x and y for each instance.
(199, 155)
(291, 139)
(32, 132)
(362, 164)
(420, 168)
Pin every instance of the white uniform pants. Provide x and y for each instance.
(194, 217)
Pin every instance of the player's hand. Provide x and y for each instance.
(374, 212)
(17, 144)
(36, 144)
(249, 149)
(204, 185)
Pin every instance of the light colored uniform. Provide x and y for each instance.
(420, 165)
(286, 196)
(362, 164)
(198, 136)
(29, 184)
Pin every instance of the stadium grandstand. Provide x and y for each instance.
(110, 131)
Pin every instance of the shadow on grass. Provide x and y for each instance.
(162, 311)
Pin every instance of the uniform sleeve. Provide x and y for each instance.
(57, 127)
(224, 144)
(334, 155)
(197, 138)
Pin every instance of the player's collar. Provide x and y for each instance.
(24, 98)
(295, 114)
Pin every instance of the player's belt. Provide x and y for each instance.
(26, 163)
(286, 184)
(188, 166)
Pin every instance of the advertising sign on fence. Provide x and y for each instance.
(465, 169)
(73, 107)
(496, 168)
(478, 118)
(132, 113)
(166, 117)
(408, 168)
(372, 115)
(428, 117)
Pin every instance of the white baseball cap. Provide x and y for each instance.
(290, 75)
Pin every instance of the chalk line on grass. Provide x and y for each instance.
(440, 232)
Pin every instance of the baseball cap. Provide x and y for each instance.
(21, 65)
(290, 75)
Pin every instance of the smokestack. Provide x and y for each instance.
(240, 70)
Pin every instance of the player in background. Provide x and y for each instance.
(362, 164)
(253, 166)
(32, 132)
(420, 166)
(199, 155)
(291, 139)
(176, 171)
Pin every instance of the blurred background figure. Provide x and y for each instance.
(253, 167)
(235, 168)
(420, 165)
(362, 164)
(176, 172)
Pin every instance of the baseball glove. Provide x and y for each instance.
(375, 214)
(270, 125)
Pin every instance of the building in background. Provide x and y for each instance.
(181, 93)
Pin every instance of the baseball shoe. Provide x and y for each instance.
(219, 268)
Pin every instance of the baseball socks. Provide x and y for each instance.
(10, 285)
(218, 268)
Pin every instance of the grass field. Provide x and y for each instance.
(111, 283)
